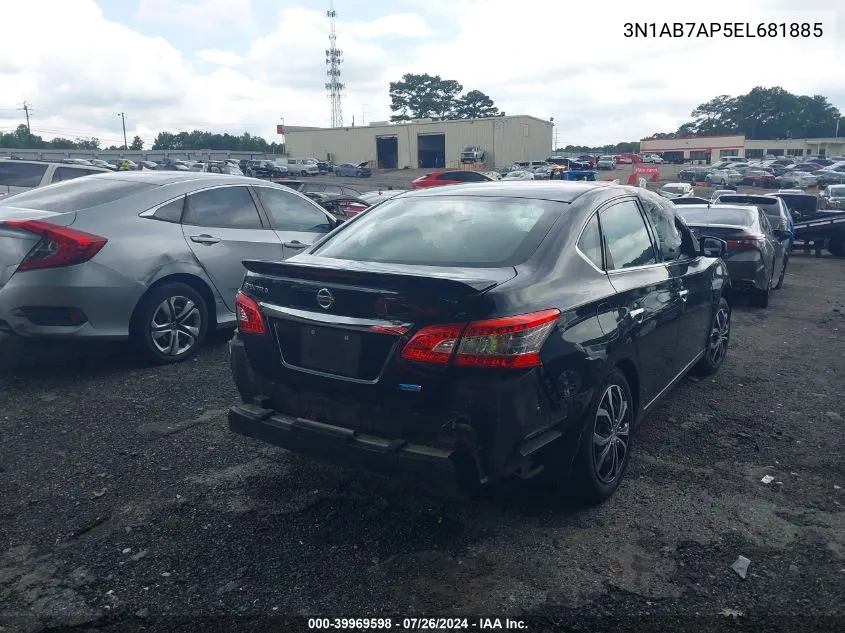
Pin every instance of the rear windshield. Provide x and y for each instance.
(767, 205)
(15, 174)
(486, 232)
(714, 215)
(77, 194)
(674, 188)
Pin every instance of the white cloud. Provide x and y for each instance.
(220, 58)
(202, 15)
(549, 59)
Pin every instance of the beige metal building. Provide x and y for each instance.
(423, 143)
(711, 148)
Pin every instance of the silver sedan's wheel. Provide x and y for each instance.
(170, 322)
(175, 326)
(611, 434)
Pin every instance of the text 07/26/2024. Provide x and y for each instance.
(723, 29)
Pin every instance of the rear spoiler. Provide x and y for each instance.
(397, 278)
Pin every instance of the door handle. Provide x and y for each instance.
(637, 314)
(684, 295)
(294, 244)
(205, 239)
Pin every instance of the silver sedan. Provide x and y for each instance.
(150, 256)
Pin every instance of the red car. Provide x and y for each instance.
(628, 159)
(449, 177)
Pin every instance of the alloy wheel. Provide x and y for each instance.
(175, 325)
(611, 434)
(720, 336)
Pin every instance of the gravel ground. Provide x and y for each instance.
(123, 495)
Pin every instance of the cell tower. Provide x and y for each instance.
(334, 58)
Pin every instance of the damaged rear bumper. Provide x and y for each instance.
(423, 466)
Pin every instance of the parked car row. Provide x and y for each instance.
(770, 173)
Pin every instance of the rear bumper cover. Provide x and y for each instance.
(425, 466)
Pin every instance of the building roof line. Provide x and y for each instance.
(402, 124)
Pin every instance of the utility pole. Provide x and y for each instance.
(364, 113)
(123, 119)
(26, 108)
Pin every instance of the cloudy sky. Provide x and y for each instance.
(241, 65)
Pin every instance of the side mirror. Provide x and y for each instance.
(713, 247)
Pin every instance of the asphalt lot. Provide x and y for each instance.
(123, 494)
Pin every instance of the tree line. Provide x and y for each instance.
(763, 113)
(626, 147)
(21, 138)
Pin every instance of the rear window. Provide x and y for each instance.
(15, 174)
(446, 231)
(76, 194)
(674, 188)
(767, 205)
(714, 215)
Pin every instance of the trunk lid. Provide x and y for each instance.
(347, 322)
(723, 232)
(15, 244)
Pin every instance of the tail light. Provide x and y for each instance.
(59, 246)
(508, 342)
(748, 242)
(433, 344)
(249, 316)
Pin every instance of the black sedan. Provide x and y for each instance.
(457, 335)
(757, 254)
(694, 174)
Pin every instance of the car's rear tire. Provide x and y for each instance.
(836, 246)
(170, 323)
(718, 340)
(337, 172)
(760, 298)
(605, 435)
(782, 276)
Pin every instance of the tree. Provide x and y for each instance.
(137, 143)
(423, 96)
(763, 113)
(475, 105)
(426, 96)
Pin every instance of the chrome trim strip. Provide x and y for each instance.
(674, 380)
(305, 316)
(322, 284)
